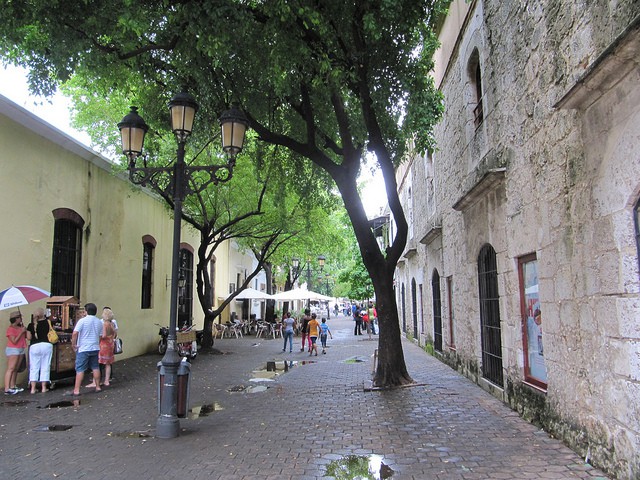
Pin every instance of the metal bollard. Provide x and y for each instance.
(183, 387)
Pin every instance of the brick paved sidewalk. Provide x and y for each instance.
(315, 414)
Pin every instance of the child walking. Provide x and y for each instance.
(324, 330)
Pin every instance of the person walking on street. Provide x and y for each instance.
(305, 327)
(40, 351)
(106, 312)
(357, 316)
(86, 342)
(106, 356)
(374, 319)
(314, 330)
(366, 319)
(16, 346)
(324, 331)
(289, 326)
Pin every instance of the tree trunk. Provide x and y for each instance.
(204, 289)
(391, 369)
(207, 336)
(270, 305)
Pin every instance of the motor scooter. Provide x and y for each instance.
(186, 344)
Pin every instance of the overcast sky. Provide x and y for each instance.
(13, 85)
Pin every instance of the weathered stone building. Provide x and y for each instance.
(521, 269)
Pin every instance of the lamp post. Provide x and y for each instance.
(176, 182)
(295, 262)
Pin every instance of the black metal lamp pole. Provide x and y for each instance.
(176, 182)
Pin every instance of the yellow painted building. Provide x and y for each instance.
(56, 190)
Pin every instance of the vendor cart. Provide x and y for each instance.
(63, 312)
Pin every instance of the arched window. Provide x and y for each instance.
(185, 297)
(437, 311)
(212, 280)
(490, 328)
(148, 246)
(414, 307)
(475, 79)
(404, 310)
(67, 253)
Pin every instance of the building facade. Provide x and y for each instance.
(521, 268)
(76, 228)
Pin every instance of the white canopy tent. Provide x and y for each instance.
(252, 294)
(300, 294)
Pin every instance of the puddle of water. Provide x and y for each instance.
(15, 403)
(258, 380)
(236, 389)
(52, 428)
(63, 404)
(131, 435)
(355, 360)
(356, 467)
(257, 389)
(204, 410)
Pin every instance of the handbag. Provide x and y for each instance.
(117, 346)
(52, 336)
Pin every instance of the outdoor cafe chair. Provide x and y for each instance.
(276, 330)
(236, 329)
(263, 327)
(219, 330)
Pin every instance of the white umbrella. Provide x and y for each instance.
(253, 294)
(300, 294)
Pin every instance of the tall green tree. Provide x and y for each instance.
(329, 81)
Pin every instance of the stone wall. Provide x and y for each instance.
(552, 170)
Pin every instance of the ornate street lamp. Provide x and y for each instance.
(175, 182)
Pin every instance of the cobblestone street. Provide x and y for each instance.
(317, 413)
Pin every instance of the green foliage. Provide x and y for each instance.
(428, 347)
(359, 282)
(325, 82)
(355, 281)
(350, 468)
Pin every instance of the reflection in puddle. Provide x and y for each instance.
(355, 360)
(204, 410)
(354, 467)
(52, 428)
(257, 389)
(63, 404)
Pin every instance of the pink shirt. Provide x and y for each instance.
(14, 331)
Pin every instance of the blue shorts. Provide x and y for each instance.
(8, 351)
(86, 360)
(313, 340)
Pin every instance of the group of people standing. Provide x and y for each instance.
(92, 339)
(364, 318)
(310, 329)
